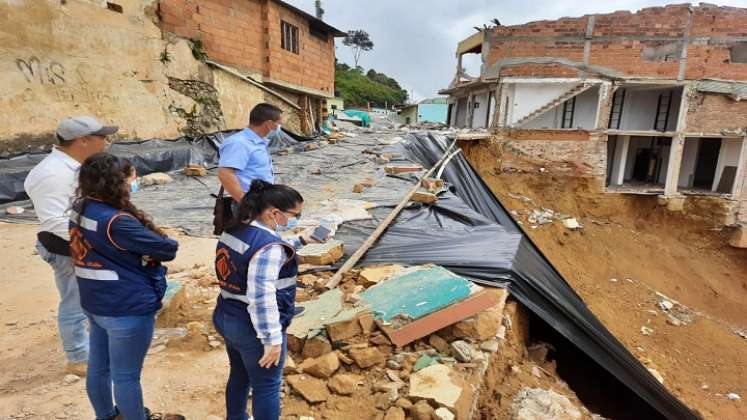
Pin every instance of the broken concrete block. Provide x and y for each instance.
(311, 389)
(424, 197)
(435, 383)
(482, 326)
(289, 366)
(443, 414)
(195, 170)
(344, 358)
(316, 171)
(571, 224)
(295, 344)
(380, 340)
(462, 351)
(535, 403)
(373, 275)
(367, 357)
(423, 362)
(432, 184)
(156, 178)
(438, 343)
(358, 188)
(322, 367)
(321, 254)
(395, 413)
(490, 346)
(404, 403)
(343, 330)
(738, 238)
(367, 322)
(316, 346)
(400, 169)
(422, 411)
(390, 388)
(344, 383)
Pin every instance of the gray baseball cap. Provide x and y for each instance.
(76, 127)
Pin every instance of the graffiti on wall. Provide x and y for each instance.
(36, 71)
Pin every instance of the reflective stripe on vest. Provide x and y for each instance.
(85, 222)
(234, 243)
(93, 274)
(279, 285)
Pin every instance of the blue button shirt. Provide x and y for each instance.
(248, 153)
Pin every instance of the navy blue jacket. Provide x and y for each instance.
(107, 246)
(234, 252)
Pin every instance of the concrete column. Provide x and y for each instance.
(678, 145)
(470, 110)
(604, 106)
(740, 189)
(620, 160)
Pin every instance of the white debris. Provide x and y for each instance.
(571, 224)
(734, 397)
(646, 330)
(71, 379)
(535, 403)
(666, 305)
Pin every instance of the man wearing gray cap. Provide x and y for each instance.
(51, 187)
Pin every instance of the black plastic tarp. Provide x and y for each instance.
(148, 156)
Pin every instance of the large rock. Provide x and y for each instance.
(422, 411)
(311, 389)
(542, 404)
(367, 357)
(323, 367)
(438, 343)
(462, 351)
(344, 383)
(395, 413)
(435, 383)
(482, 326)
(316, 346)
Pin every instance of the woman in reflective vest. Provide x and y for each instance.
(256, 270)
(117, 252)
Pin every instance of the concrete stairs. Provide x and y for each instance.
(576, 90)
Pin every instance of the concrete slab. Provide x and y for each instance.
(321, 254)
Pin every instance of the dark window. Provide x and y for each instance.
(569, 108)
(738, 53)
(288, 37)
(319, 33)
(618, 101)
(663, 107)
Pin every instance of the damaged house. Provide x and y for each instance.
(645, 103)
(159, 69)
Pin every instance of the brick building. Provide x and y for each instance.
(272, 42)
(651, 102)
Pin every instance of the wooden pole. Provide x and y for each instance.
(350, 263)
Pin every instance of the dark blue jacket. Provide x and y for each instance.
(107, 246)
(234, 252)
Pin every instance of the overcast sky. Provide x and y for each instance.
(415, 40)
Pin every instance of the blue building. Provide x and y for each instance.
(428, 110)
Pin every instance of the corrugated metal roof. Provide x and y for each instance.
(737, 90)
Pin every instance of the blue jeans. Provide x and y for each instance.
(118, 347)
(244, 351)
(71, 320)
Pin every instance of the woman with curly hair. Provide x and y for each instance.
(117, 252)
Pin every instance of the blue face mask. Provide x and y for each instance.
(133, 186)
(292, 223)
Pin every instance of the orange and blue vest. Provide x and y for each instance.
(113, 278)
(234, 252)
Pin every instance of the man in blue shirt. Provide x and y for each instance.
(245, 156)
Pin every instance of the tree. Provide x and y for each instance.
(359, 41)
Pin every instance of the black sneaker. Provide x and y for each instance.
(159, 416)
(298, 310)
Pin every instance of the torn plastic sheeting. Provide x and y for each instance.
(531, 277)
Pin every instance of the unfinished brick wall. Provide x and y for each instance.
(646, 43)
(246, 34)
(713, 113)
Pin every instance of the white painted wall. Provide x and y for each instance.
(480, 114)
(689, 159)
(585, 116)
(728, 156)
(528, 97)
(639, 109)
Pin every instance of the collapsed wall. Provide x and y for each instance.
(79, 57)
